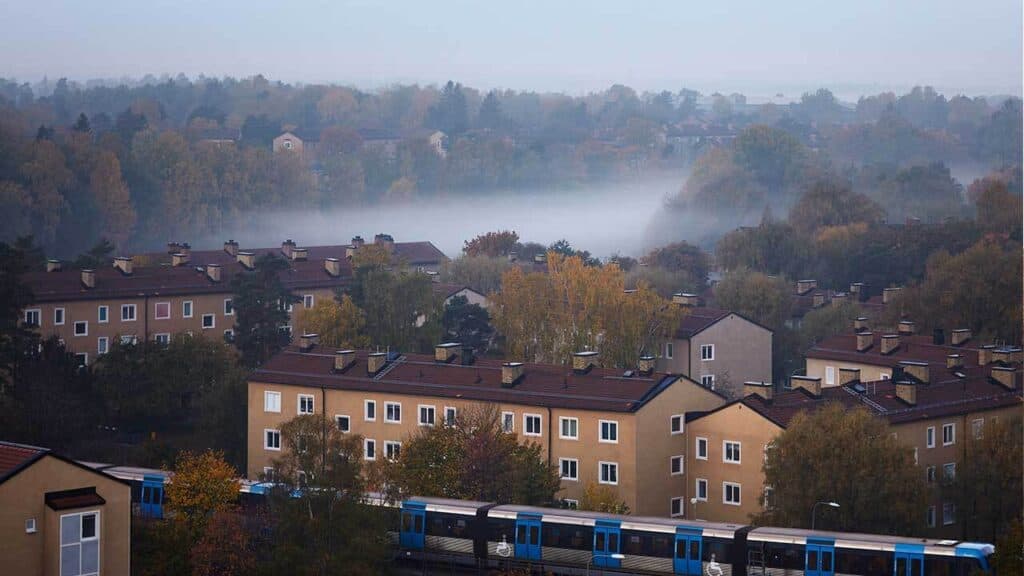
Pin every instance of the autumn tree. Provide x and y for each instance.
(201, 486)
(481, 273)
(226, 547)
(492, 244)
(398, 303)
(762, 298)
(998, 209)
(113, 204)
(261, 307)
(339, 322)
(832, 203)
(847, 456)
(602, 498)
(827, 321)
(681, 257)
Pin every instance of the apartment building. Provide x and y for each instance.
(937, 412)
(154, 296)
(718, 348)
(58, 517)
(616, 428)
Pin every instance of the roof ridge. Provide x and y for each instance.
(24, 446)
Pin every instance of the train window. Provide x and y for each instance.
(901, 567)
(521, 537)
(406, 522)
(826, 561)
(534, 535)
(781, 556)
(694, 549)
(722, 551)
(812, 559)
(938, 566)
(661, 547)
(915, 566)
(681, 548)
(417, 523)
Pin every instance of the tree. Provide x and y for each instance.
(481, 273)
(16, 339)
(399, 304)
(113, 201)
(340, 323)
(845, 456)
(490, 112)
(827, 321)
(99, 256)
(82, 124)
(467, 323)
(928, 192)
(831, 203)
(201, 486)
(997, 208)
(762, 298)
(492, 244)
(225, 548)
(450, 113)
(681, 257)
(601, 498)
(261, 307)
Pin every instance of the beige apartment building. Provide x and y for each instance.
(613, 427)
(60, 517)
(185, 291)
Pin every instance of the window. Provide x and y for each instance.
(127, 312)
(229, 307)
(305, 404)
(731, 452)
(392, 412)
(949, 471)
(569, 468)
(569, 428)
(676, 508)
(915, 456)
(708, 381)
(608, 472)
(830, 375)
(609, 431)
(344, 424)
(102, 345)
(731, 493)
(392, 449)
(508, 422)
(80, 544)
(931, 517)
(162, 310)
(369, 449)
(271, 401)
(103, 314)
(570, 503)
(948, 434)
(669, 349)
(929, 437)
(129, 339)
(676, 465)
(82, 359)
(81, 328)
(369, 410)
(268, 474)
(531, 425)
(449, 415)
(58, 316)
(32, 317)
(702, 490)
(675, 424)
(929, 474)
(209, 321)
(426, 415)
(229, 335)
(707, 351)
(307, 300)
(287, 144)
(272, 439)
(948, 513)
(702, 448)
(30, 526)
(978, 428)
(186, 309)
(768, 491)
(162, 339)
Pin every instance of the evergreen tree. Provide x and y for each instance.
(449, 114)
(82, 124)
(261, 307)
(490, 112)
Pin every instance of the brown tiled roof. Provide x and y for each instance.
(14, 457)
(700, 318)
(843, 348)
(544, 385)
(76, 498)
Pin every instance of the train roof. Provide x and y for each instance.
(590, 518)
(447, 505)
(865, 541)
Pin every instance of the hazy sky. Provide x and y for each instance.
(759, 47)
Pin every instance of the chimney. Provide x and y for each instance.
(646, 365)
(300, 254)
(231, 247)
(384, 240)
(860, 324)
(540, 258)
(906, 327)
(88, 278)
(1006, 355)
(343, 359)
(918, 370)
(247, 260)
(954, 361)
(511, 372)
(375, 362)
(864, 341)
(685, 299)
(332, 266)
(1005, 376)
(350, 251)
(960, 336)
(805, 286)
(53, 265)
(286, 248)
(818, 300)
(907, 391)
(179, 259)
(213, 272)
(468, 356)
(173, 247)
(124, 264)
(939, 337)
(890, 343)
(848, 376)
(856, 287)
(839, 297)
(308, 341)
(812, 385)
(358, 242)
(763, 389)
(582, 362)
(446, 352)
(513, 256)
(890, 294)
(985, 354)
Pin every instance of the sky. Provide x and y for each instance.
(756, 47)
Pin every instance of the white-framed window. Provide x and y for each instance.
(929, 437)
(369, 410)
(392, 412)
(569, 428)
(209, 321)
(128, 313)
(271, 439)
(103, 314)
(307, 300)
(570, 503)
(608, 431)
(702, 448)
(129, 339)
(978, 428)
(708, 381)
(948, 513)
(675, 465)
(82, 359)
(948, 434)
(186, 309)
(58, 316)
(949, 471)
(81, 328)
(102, 345)
(768, 492)
(162, 310)
(669, 350)
(33, 317)
(392, 449)
(676, 507)
(344, 423)
(569, 469)
(30, 526)
(830, 375)
(229, 335)
(508, 422)
(229, 307)
(931, 517)
(271, 401)
(707, 351)
(731, 493)
(531, 425)
(701, 490)
(450, 414)
(731, 452)
(885, 376)
(427, 415)
(369, 449)
(676, 423)
(608, 472)
(929, 474)
(80, 544)
(306, 403)
(287, 144)
(164, 338)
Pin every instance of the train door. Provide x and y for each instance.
(607, 536)
(413, 525)
(151, 501)
(528, 536)
(689, 547)
(820, 555)
(909, 560)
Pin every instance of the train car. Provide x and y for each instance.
(147, 486)
(441, 529)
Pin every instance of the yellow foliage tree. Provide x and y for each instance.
(339, 323)
(601, 498)
(202, 485)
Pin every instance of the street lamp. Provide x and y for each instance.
(814, 509)
(593, 557)
(694, 502)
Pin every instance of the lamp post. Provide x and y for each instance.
(814, 510)
(694, 502)
(593, 557)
